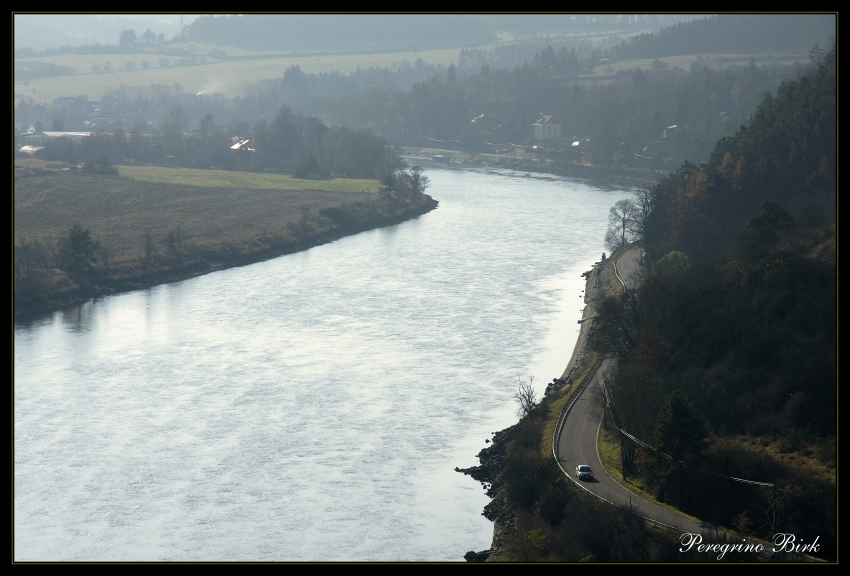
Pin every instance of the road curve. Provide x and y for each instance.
(577, 439)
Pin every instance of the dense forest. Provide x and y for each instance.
(736, 320)
(735, 34)
(726, 353)
(614, 120)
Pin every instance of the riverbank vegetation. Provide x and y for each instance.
(542, 516)
(149, 230)
(726, 356)
(734, 329)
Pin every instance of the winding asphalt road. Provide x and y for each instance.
(577, 442)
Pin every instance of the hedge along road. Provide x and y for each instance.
(577, 441)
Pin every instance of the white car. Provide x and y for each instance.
(584, 472)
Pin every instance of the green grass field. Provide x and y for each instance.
(237, 179)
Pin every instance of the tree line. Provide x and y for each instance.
(47, 265)
(725, 34)
(292, 144)
(616, 120)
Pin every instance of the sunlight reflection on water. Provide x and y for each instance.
(311, 407)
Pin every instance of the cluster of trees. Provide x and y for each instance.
(785, 153)
(620, 118)
(293, 144)
(733, 330)
(129, 42)
(75, 252)
(537, 54)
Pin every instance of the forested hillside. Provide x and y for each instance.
(736, 323)
(726, 357)
(736, 34)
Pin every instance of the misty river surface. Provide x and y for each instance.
(310, 407)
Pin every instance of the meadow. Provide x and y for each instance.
(213, 208)
(238, 179)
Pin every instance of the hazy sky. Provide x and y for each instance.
(40, 31)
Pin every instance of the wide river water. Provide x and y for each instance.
(310, 407)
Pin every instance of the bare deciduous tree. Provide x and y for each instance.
(150, 248)
(772, 507)
(175, 241)
(105, 256)
(526, 397)
(305, 215)
(621, 217)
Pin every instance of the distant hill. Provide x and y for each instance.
(733, 33)
(336, 33)
(371, 32)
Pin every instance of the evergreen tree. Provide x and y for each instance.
(679, 431)
(80, 250)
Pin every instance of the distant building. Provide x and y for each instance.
(42, 138)
(34, 151)
(241, 144)
(545, 129)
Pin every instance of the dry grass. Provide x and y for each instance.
(119, 209)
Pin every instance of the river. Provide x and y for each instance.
(312, 407)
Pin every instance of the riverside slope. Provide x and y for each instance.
(577, 440)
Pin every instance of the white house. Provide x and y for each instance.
(41, 138)
(545, 129)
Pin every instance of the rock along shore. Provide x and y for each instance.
(492, 458)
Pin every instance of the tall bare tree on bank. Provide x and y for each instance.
(526, 397)
(175, 245)
(150, 248)
(621, 218)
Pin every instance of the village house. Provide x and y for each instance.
(40, 139)
(545, 129)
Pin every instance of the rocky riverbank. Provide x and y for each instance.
(492, 459)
